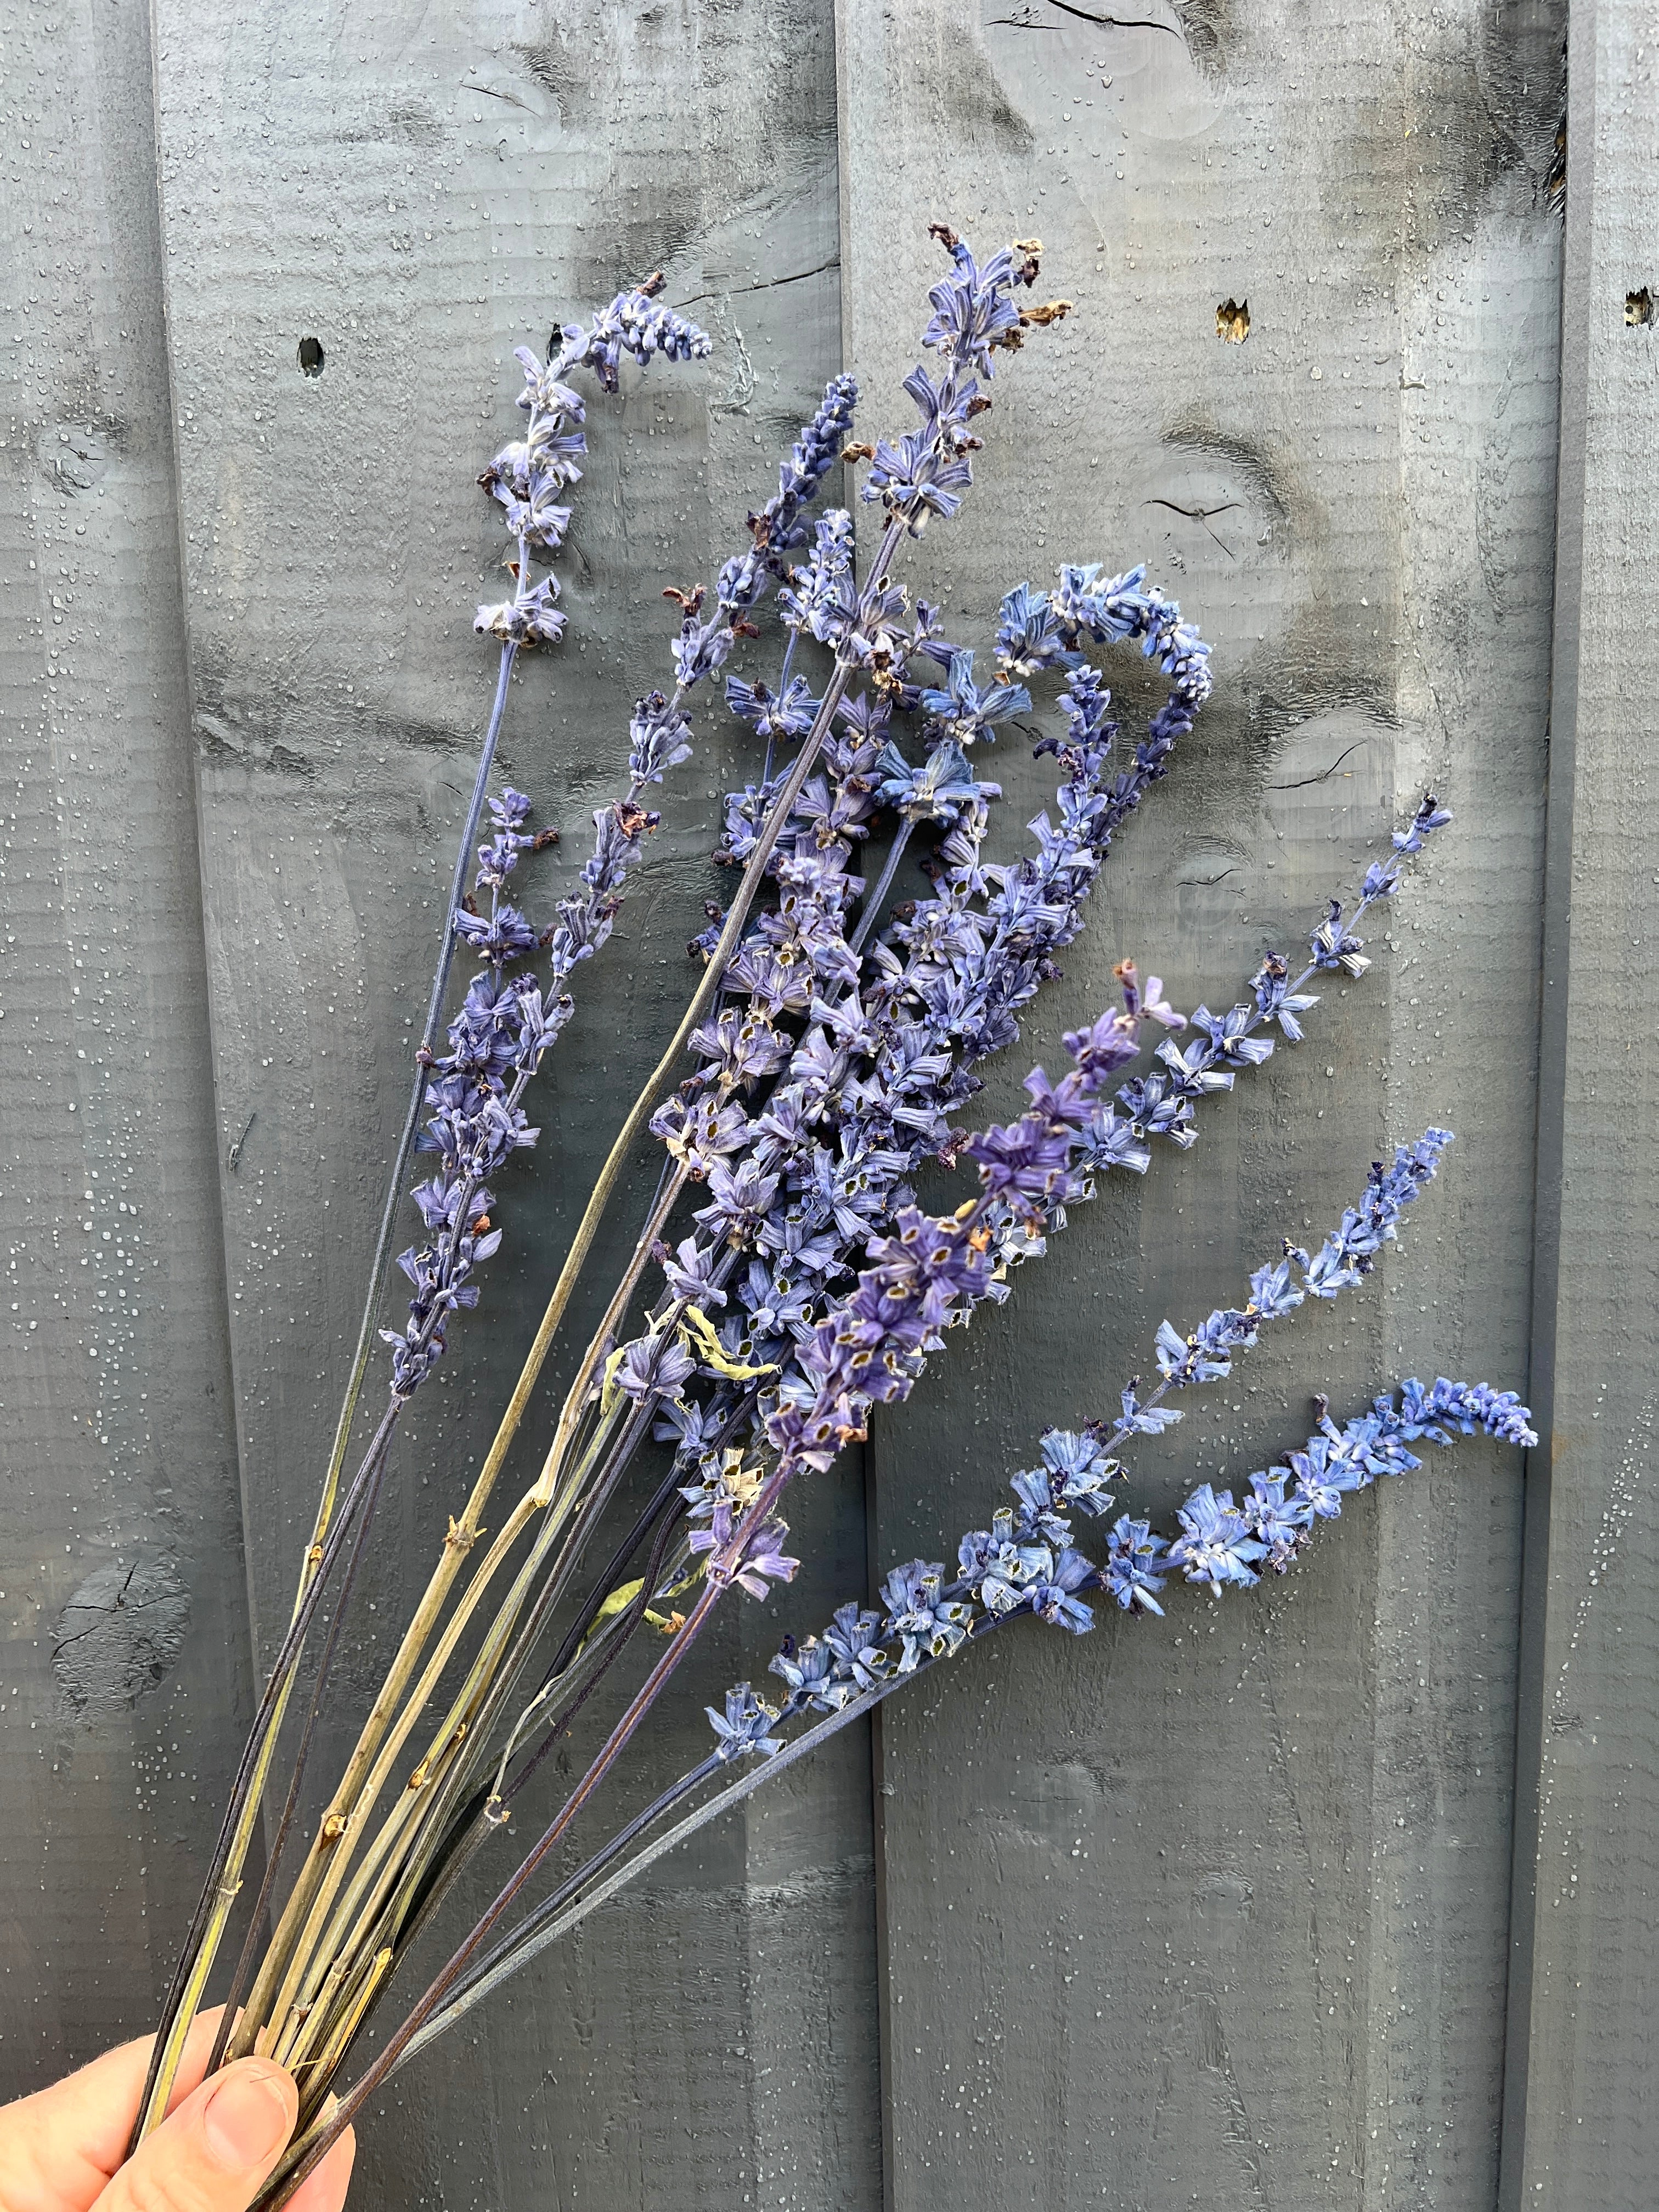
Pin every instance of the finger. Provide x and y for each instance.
(59, 2147)
(215, 2153)
(324, 2190)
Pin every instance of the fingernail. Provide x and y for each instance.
(247, 2120)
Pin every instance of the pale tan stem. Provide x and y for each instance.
(296, 1937)
(577, 1396)
(391, 1856)
(382, 1864)
(336, 1826)
(466, 1718)
(365, 1774)
(224, 1896)
(334, 2049)
(464, 1709)
(308, 1943)
(317, 2023)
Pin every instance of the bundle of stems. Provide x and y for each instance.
(833, 1034)
(311, 1988)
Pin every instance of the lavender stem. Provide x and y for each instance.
(872, 904)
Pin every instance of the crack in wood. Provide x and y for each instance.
(1200, 514)
(767, 284)
(1325, 773)
(235, 1152)
(489, 91)
(1028, 21)
(105, 1614)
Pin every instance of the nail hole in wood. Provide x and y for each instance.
(1639, 308)
(1232, 321)
(311, 356)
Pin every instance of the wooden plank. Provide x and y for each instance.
(1578, 2121)
(419, 194)
(1217, 1911)
(123, 1620)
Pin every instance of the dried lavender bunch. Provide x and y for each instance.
(871, 637)
(835, 1035)
(963, 342)
(873, 1346)
(1116, 1135)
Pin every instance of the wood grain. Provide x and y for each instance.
(123, 1604)
(1579, 2123)
(1216, 1910)
(1256, 1905)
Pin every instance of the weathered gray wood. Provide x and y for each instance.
(1579, 2120)
(419, 194)
(123, 1613)
(1216, 1910)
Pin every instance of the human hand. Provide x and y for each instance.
(61, 2150)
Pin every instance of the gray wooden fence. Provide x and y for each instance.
(1341, 1895)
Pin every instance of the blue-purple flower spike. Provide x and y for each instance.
(527, 476)
(925, 472)
(1024, 1564)
(1026, 1561)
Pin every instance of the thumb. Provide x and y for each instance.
(214, 2153)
